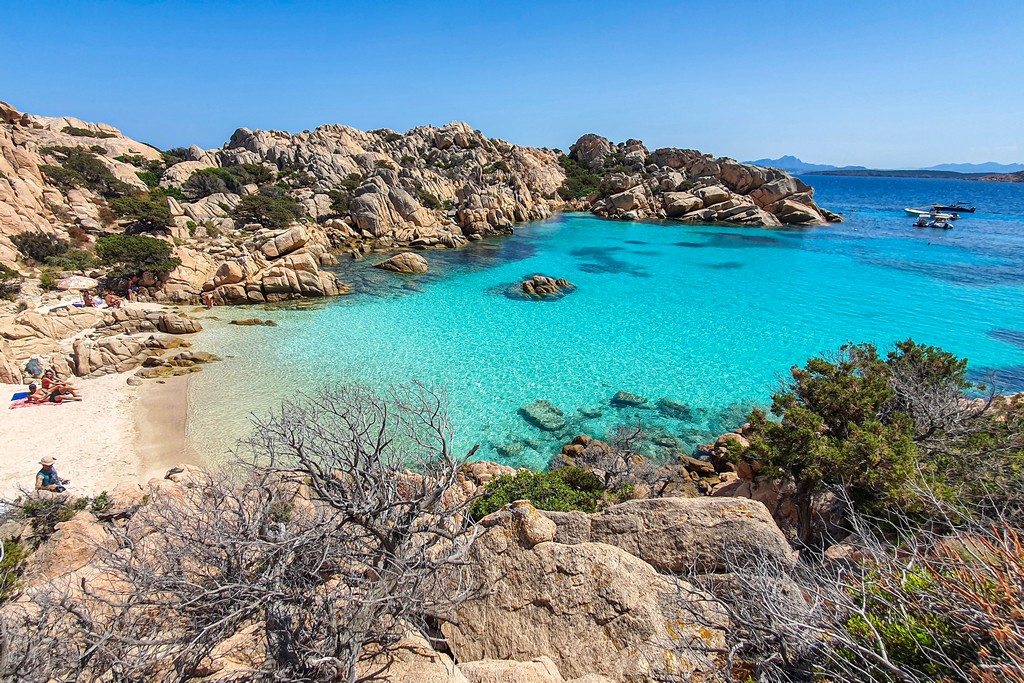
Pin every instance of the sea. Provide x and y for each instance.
(710, 317)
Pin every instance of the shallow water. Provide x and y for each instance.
(707, 315)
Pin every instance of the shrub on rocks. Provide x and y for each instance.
(40, 246)
(270, 212)
(128, 255)
(566, 489)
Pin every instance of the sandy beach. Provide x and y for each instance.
(117, 433)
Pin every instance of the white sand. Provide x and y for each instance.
(117, 433)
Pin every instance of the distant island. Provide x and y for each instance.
(988, 171)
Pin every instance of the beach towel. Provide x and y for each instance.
(19, 395)
(23, 403)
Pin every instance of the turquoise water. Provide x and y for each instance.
(707, 315)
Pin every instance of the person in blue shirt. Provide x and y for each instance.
(47, 478)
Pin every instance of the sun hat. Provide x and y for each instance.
(48, 460)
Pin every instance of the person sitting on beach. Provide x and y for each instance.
(112, 300)
(50, 381)
(52, 395)
(87, 298)
(47, 478)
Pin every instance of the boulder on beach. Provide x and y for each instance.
(407, 263)
(544, 415)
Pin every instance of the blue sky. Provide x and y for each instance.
(893, 83)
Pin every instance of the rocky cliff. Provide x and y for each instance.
(257, 219)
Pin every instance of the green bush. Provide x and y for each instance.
(428, 200)
(207, 181)
(48, 278)
(11, 568)
(175, 155)
(161, 192)
(86, 133)
(73, 259)
(268, 211)
(569, 488)
(144, 214)
(497, 166)
(130, 255)
(580, 181)
(79, 168)
(10, 282)
(39, 246)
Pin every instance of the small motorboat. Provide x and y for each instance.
(956, 207)
(926, 222)
(931, 213)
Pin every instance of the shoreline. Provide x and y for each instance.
(118, 434)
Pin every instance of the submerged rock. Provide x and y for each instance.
(544, 415)
(677, 410)
(626, 399)
(407, 263)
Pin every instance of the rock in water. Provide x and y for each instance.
(543, 414)
(542, 286)
(407, 262)
(678, 410)
(624, 398)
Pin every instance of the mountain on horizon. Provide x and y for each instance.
(796, 165)
(793, 164)
(987, 167)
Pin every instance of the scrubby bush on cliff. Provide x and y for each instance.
(207, 181)
(129, 255)
(269, 211)
(319, 547)
(891, 432)
(569, 488)
(143, 213)
(580, 181)
(10, 282)
(86, 133)
(79, 168)
(73, 259)
(40, 246)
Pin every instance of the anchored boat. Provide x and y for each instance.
(932, 213)
(956, 207)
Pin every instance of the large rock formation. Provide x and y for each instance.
(687, 185)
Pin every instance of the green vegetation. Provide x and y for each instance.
(86, 133)
(428, 200)
(73, 259)
(496, 166)
(11, 568)
(144, 213)
(40, 246)
(207, 181)
(130, 255)
(10, 282)
(269, 208)
(45, 515)
(580, 181)
(48, 278)
(894, 433)
(175, 155)
(342, 196)
(569, 488)
(79, 168)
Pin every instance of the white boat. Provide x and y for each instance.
(930, 213)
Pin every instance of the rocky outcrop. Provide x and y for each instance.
(544, 287)
(406, 263)
(589, 607)
(687, 185)
(87, 342)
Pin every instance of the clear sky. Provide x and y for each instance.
(880, 83)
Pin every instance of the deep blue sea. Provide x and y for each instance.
(706, 315)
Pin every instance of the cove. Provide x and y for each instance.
(707, 316)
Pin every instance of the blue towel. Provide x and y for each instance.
(20, 395)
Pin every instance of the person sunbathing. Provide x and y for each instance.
(51, 381)
(52, 395)
(112, 300)
(87, 298)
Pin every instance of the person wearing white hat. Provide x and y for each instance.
(47, 478)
